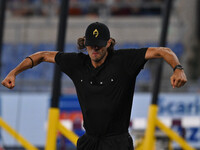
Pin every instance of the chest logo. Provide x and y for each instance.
(96, 33)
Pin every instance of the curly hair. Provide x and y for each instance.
(81, 44)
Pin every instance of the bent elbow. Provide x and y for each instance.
(166, 51)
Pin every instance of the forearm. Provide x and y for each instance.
(178, 78)
(170, 57)
(27, 63)
(34, 60)
(163, 52)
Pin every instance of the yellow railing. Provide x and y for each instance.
(54, 126)
(148, 142)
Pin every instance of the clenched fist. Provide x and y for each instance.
(9, 81)
(178, 78)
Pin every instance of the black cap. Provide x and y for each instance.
(97, 34)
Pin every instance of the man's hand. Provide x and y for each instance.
(178, 78)
(9, 81)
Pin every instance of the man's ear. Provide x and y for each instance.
(109, 43)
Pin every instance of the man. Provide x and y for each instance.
(105, 81)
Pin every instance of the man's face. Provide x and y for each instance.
(97, 53)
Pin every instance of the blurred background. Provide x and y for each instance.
(32, 25)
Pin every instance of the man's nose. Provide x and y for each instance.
(96, 47)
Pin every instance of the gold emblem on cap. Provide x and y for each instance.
(96, 33)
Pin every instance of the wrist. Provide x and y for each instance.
(12, 73)
(178, 67)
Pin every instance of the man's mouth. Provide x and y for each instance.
(95, 52)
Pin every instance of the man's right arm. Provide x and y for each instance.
(35, 59)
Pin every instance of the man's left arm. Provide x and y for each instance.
(178, 78)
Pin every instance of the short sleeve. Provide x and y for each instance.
(135, 60)
(68, 62)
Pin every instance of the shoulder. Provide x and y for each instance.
(121, 52)
(70, 54)
(69, 57)
(132, 51)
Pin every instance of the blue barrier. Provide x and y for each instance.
(69, 103)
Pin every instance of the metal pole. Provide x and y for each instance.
(162, 43)
(153, 109)
(60, 47)
(2, 20)
(197, 19)
(53, 120)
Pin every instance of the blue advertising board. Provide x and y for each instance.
(173, 106)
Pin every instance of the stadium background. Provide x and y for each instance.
(31, 26)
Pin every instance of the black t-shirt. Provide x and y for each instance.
(105, 93)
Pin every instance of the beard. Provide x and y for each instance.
(98, 59)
